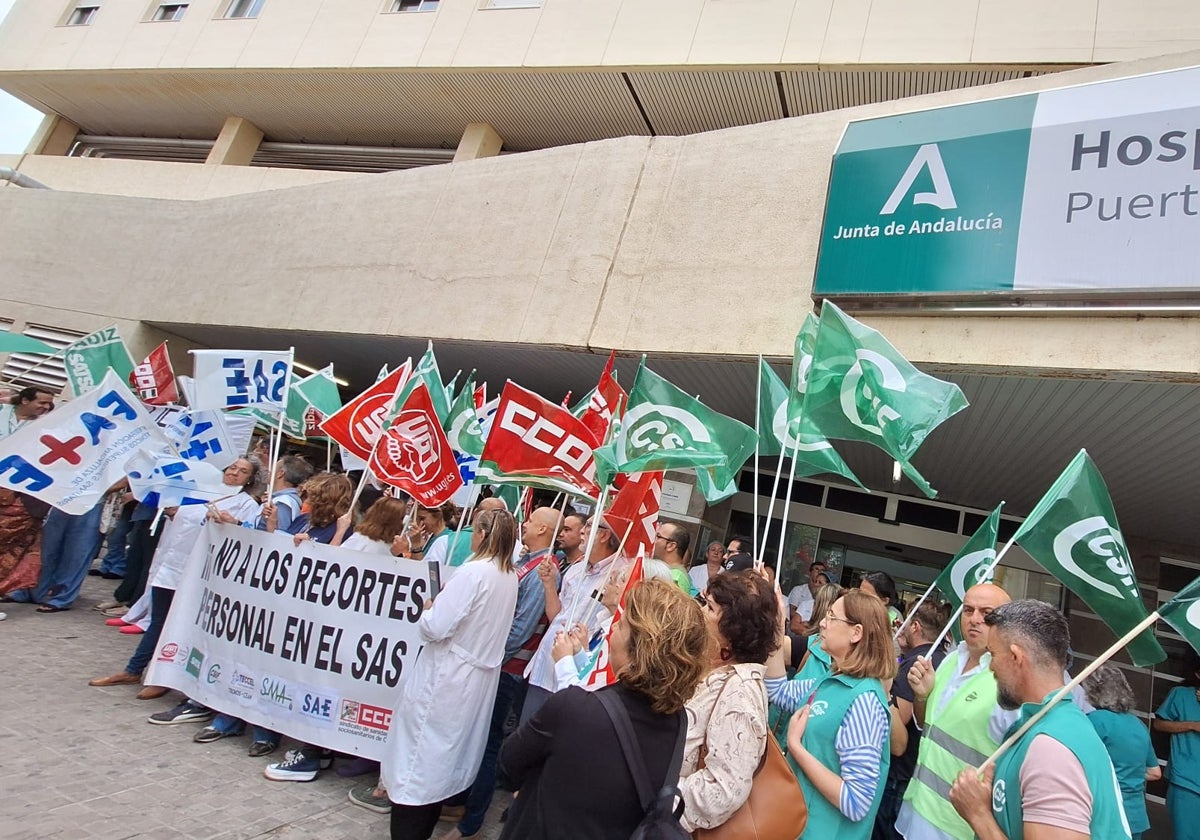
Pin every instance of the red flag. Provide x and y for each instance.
(414, 454)
(358, 424)
(312, 422)
(605, 399)
(481, 396)
(602, 674)
(635, 509)
(154, 378)
(540, 443)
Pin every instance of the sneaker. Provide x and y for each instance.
(364, 796)
(185, 712)
(260, 748)
(295, 767)
(210, 733)
(3, 615)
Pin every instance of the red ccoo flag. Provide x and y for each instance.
(635, 509)
(154, 378)
(598, 416)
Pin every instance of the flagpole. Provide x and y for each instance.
(328, 454)
(1148, 621)
(466, 517)
(774, 493)
(45, 359)
(757, 441)
(946, 630)
(787, 504)
(908, 618)
(612, 568)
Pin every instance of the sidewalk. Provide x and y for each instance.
(81, 762)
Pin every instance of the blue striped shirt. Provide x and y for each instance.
(861, 740)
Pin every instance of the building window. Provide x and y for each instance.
(244, 8)
(170, 11)
(413, 6)
(512, 4)
(82, 14)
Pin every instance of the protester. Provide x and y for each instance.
(432, 525)
(118, 506)
(1126, 739)
(709, 567)
(23, 408)
(375, 531)
(20, 543)
(671, 543)
(284, 505)
(574, 778)
(69, 543)
(881, 585)
(141, 543)
(1179, 717)
(456, 549)
(800, 599)
(570, 540)
(727, 716)
(916, 642)
(838, 734)
(1057, 779)
(185, 525)
(955, 704)
(437, 734)
(577, 657)
(324, 498)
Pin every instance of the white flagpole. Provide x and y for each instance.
(757, 439)
(908, 618)
(329, 454)
(472, 499)
(946, 630)
(787, 504)
(774, 493)
(1148, 621)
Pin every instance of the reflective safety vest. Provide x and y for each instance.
(1069, 726)
(955, 736)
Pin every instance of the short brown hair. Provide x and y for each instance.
(749, 614)
(499, 531)
(383, 520)
(873, 655)
(328, 497)
(668, 645)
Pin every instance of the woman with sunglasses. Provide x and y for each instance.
(838, 734)
(727, 716)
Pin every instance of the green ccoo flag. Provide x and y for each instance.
(861, 388)
(664, 428)
(1073, 533)
(974, 562)
(1183, 613)
(464, 431)
(89, 358)
(777, 432)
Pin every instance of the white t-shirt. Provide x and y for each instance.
(699, 576)
(357, 542)
(802, 599)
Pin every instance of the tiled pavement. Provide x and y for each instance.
(81, 762)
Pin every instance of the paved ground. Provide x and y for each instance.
(81, 762)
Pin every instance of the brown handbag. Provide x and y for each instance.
(775, 808)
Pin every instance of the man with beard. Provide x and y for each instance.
(1057, 781)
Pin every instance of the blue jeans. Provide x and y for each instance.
(231, 725)
(113, 561)
(160, 605)
(889, 809)
(479, 798)
(69, 543)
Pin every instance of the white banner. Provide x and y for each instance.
(241, 378)
(310, 641)
(71, 456)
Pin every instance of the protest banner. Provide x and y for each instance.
(154, 378)
(88, 359)
(311, 641)
(71, 456)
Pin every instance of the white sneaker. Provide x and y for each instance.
(3, 616)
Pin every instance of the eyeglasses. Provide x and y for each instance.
(664, 539)
(829, 616)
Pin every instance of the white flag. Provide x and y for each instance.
(241, 378)
(167, 480)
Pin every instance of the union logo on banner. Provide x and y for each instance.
(414, 454)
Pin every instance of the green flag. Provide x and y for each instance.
(664, 429)
(89, 358)
(802, 356)
(1183, 613)
(777, 431)
(1073, 533)
(974, 562)
(861, 388)
(293, 419)
(464, 431)
(427, 371)
(319, 392)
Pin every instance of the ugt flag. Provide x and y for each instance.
(71, 456)
(414, 455)
(665, 429)
(974, 562)
(861, 388)
(88, 359)
(1183, 613)
(1073, 533)
(779, 434)
(241, 378)
(358, 424)
(535, 442)
(154, 378)
(166, 480)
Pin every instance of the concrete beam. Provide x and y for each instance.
(479, 140)
(236, 144)
(55, 136)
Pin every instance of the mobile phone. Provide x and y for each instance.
(435, 578)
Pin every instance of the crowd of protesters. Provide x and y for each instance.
(549, 655)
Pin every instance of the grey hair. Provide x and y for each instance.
(1107, 688)
(1038, 627)
(257, 476)
(296, 470)
(653, 568)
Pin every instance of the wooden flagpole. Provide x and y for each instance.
(946, 630)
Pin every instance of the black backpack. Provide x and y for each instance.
(662, 813)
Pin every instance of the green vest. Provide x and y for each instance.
(838, 692)
(816, 667)
(461, 549)
(953, 738)
(1069, 726)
